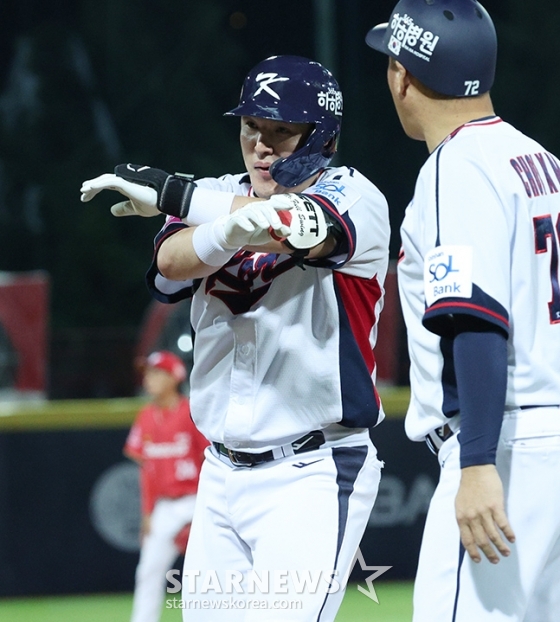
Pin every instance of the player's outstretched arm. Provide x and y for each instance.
(152, 191)
(198, 252)
(254, 225)
(480, 512)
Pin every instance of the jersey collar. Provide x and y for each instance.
(491, 120)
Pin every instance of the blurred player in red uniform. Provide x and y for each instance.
(169, 449)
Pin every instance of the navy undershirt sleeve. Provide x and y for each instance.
(480, 359)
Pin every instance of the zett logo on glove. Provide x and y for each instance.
(306, 221)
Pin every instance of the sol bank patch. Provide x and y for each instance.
(448, 273)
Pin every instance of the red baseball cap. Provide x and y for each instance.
(169, 362)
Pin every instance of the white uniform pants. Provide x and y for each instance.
(259, 532)
(524, 587)
(157, 554)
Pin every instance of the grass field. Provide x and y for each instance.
(395, 605)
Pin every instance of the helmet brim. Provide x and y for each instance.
(253, 111)
(265, 112)
(452, 49)
(376, 36)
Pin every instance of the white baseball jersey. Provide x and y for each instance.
(267, 331)
(481, 237)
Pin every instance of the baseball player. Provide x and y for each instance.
(480, 292)
(286, 264)
(170, 450)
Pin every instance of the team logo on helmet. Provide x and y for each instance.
(264, 81)
(449, 45)
(331, 101)
(407, 35)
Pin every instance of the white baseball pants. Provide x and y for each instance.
(260, 533)
(524, 587)
(157, 554)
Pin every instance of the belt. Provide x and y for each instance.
(312, 440)
(531, 406)
(436, 438)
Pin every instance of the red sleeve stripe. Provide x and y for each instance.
(466, 305)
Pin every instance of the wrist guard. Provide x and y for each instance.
(174, 192)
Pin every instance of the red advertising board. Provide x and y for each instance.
(24, 313)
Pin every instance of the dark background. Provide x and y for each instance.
(87, 84)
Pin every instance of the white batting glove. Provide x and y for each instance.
(142, 200)
(307, 222)
(252, 225)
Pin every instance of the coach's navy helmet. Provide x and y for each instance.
(295, 90)
(449, 45)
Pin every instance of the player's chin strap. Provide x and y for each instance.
(174, 192)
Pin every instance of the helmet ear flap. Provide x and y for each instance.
(306, 136)
(308, 160)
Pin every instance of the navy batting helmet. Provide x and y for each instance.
(295, 90)
(449, 45)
